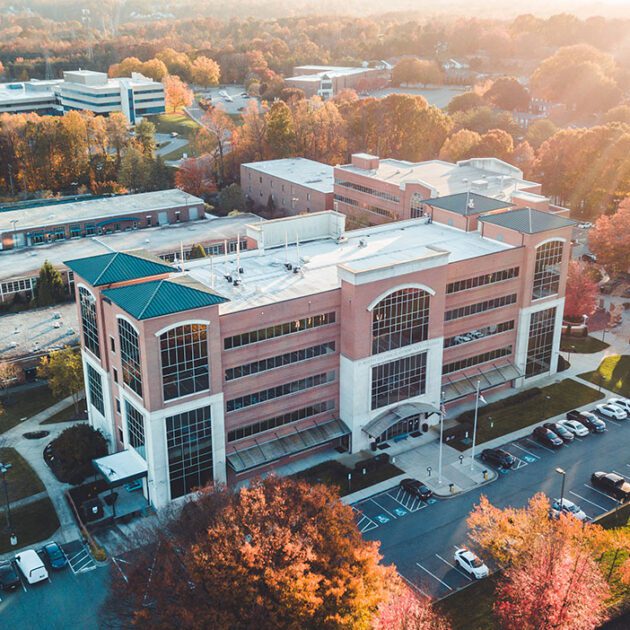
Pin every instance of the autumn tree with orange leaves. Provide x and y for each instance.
(581, 292)
(278, 554)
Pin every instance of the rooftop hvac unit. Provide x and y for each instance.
(362, 243)
(296, 269)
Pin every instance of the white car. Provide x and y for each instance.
(471, 563)
(586, 225)
(612, 411)
(576, 427)
(568, 507)
(31, 566)
(624, 403)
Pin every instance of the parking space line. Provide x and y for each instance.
(415, 586)
(613, 422)
(412, 504)
(579, 496)
(435, 576)
(382, 508)
(454, 567)
(363, 528)
(538, 445)
(600, 492)
(520, 448)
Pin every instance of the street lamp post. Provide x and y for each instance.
(562, 472)
(472, 453)
(546, 399)
(441, 439)
(4, 469)
(604, 334)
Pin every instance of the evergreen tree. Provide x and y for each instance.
(50, 288)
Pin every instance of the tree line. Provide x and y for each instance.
(78, 151)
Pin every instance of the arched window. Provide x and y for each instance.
(130, 356)
(184, 353)
(547, 270)
(400, 319)
(89, 323)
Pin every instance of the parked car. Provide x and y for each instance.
(624, 403)
(589, 258)
(568, 507)
(592, 422)
(547, 437)
(585, 225)
(471, 563)
(9, 580)
(611, 411)
(463, 338)
(560, 431)
(31, 566)
(416, 488)
(613, 484)
(55, 556)
(576, 427)
(477, 334)
(498, 457)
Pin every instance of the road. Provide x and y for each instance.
(420, 539)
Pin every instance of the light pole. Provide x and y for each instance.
(472, 453)
(562, 472)
(604, 334)
(441, 439)
(4, 469)
(571, 348)
(546, 399)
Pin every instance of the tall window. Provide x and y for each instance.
(189, 442)
(130, 356)
(184, 352)
(135, 429)
(541, 328)
(87, 303)
(95, 389)
(400, 319)
(399, 380)
(417, 206)
(547, 270)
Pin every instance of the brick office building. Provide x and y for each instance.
(318, 338)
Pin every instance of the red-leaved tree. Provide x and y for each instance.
(405, 611)
(556, 586)
(196, 176)
(581, 296)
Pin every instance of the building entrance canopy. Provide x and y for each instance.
(299, 440)
(490, 376)
(381, 423)
(121, 467)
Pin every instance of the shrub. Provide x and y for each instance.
(71, 453)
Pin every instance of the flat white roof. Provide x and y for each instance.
(446, 178)
(25, 91)
(118, 205)
(265, 279)
(25, 262)
(301, 171)
(121, 465)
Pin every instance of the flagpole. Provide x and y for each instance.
(441, 438)
(472, 455)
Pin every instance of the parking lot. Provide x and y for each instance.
(229, 98)
(421, 539)
(69, 598)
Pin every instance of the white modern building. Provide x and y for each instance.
(37, 96)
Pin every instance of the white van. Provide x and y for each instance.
(31, 566)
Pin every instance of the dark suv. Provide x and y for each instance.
(547, 437)
(416, 488)
(612, 484)
(498, 457)
(9, 580)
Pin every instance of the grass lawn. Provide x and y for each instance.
(25, 404)
(178, 153)
(520, 410)
(176, 122)
(65, 415)
(32, 523)
(613, 373)
(22, 481)
(333, 473)
(582, 345)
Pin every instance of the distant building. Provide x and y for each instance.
(135, 97)
(58, 221)
(327, 81)
(371, 190)
(294, 184)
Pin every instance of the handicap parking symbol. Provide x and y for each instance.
(431, 501)
(400, 512)
(503, 471)
(529, 458)
(381, 518)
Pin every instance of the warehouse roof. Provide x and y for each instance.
(301, 171)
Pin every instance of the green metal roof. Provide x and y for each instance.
(468, 204)
(528, 220)
(156, 298)
(118, 267)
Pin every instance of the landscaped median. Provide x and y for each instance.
(31, 521)
(612, 374)
(519, 411)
